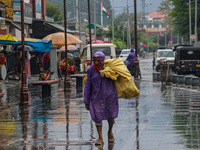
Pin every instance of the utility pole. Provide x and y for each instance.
(123, 27)
(196, 36)
(113, 21)
(76, 15)
(165, 37)
(148, 42)
(90, 32)
(143, 9)
(171, 38)
(95, 28)
(101, 14)
(127, 40)
(66, 81)
(178, 39)
(190, 21)
(135, 27)
(24, 87)
(128, 29)
(79, 18)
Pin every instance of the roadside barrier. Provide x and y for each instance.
(179, 80)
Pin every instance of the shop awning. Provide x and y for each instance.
(57, 27)
(27, 39)
(8, 37)
(40, 46)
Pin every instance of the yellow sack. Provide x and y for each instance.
(116, 70)
(85, 79)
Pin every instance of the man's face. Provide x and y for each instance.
(97, 61)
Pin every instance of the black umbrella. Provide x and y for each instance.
(26, 48)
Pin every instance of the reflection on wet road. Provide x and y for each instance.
(160, 118)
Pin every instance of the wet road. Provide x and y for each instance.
(160, 118)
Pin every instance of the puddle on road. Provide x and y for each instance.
(186, 114)
(46, 123)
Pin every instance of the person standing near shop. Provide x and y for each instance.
(27, 66)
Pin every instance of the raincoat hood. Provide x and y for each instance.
(101, 55)
(132, 49)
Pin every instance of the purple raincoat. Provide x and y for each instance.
(131, 58)
(101, 94)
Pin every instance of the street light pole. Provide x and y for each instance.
(135, 26)
(24, 87)
(66, 82)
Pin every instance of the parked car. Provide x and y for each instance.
(187, 60)
(164, 55)
(107, 49)
(124, 54)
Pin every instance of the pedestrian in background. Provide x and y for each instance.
(27, 66)
(130, 59)
(100, 97)
(139, 71)
(46, 61)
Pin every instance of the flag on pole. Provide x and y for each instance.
(103, 11)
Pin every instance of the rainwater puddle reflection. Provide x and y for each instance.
(56, 121)
(186, 114)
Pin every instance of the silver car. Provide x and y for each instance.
(124, 54)
(164, 55)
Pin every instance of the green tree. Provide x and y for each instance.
(54, 11)
(166, 8)
(180, 17)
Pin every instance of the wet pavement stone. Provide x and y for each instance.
(162, 117)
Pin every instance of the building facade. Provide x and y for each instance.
(33, 9)
(6, 15)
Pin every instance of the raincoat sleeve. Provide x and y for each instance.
(128, 58)
(88, 88)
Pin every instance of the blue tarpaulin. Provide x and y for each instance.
(41, 46)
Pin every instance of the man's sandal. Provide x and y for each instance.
(99, 142)
(111, 138)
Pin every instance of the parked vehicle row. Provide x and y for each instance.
(187, 60)
(184, 59)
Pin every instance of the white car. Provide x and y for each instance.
(124, 54)
(107, 48)
(164, 55)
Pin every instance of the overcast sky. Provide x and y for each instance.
(119, 5)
